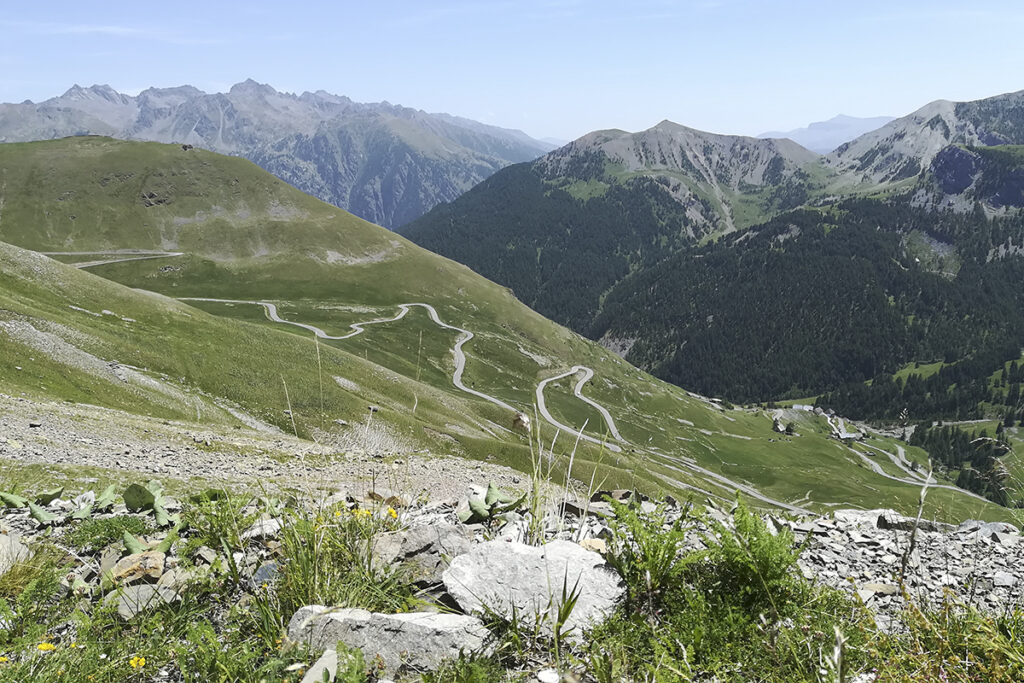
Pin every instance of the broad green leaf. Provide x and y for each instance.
(13, 500)
(47, 497)
(105, 499)
(138, 497)
(132, 544)
(41, 515)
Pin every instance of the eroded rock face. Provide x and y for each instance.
(414, 641)
(503, 576)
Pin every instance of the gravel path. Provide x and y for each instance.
(118, 256)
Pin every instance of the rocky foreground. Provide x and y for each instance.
(487, 554)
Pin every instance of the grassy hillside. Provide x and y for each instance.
(328, 269)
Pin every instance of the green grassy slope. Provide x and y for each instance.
(329, 269)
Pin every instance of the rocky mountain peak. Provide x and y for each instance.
(903, 147)
(251, 87)
(95, 92)
(708, 157)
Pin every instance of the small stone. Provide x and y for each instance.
(264, 528)
(207, 555)
(149, 564)
(328, 663)
(108, 558)
(548, 676)
(882, 588)
(1003, 538)
(172, 579)
(133, 600)
(267, 573)
(1003, 579)
(597, 545)
(423, 552)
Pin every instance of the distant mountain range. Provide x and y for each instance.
(754, 268)
(824, 136)
(385, 163)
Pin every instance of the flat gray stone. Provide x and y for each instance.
(262, 529)
(861, 518)
(136, 599)
(1003, 579)
(504, 576)
(423, 552)
(898, 522)
(12, 552)
(328, 662)
(415, 641)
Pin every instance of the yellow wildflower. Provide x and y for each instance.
(391, 511)
(137, 662)
(3, 660)
(46, 647)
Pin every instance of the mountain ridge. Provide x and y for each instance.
(904, 147)
(387, 163)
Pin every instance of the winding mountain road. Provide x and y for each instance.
(877, 469)
(576, 390)
(680, 465)
(460, 362)
(901, 462)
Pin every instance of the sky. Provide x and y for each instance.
(555, 69)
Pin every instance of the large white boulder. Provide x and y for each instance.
(506, 577)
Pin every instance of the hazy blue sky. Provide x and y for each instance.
(558, 68)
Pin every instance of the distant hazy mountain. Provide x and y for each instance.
(902, 148)
(557, 142)
(825, 136)
(565, 228)
(386, 163)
